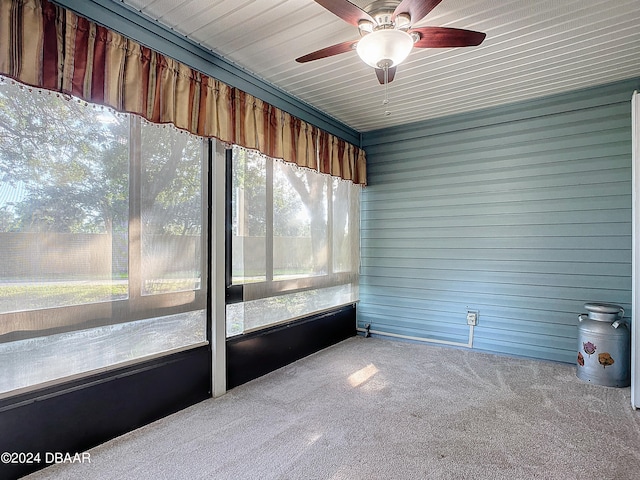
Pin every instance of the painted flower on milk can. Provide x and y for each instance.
(580, 359)
(605, 360)
(589, 348)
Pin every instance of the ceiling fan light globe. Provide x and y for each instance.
(387, 47)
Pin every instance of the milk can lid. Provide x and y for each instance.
(602, 308)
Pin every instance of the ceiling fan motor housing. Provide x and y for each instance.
(384, 20)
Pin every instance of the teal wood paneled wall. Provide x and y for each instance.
(522, 213)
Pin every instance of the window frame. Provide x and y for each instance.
(235, 293)
(61, 319)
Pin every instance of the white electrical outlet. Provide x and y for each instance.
(472, 317)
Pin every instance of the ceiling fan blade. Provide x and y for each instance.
(444, 37)
(390, 76)
(347, 11)
(417, 9)
(328, 51)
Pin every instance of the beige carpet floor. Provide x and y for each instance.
(372, 408)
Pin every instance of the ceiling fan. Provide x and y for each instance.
(387, 35)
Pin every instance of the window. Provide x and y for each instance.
(103, 234)
(295, 242)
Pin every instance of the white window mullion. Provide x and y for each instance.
(329, 183)
(217, 258)
(269, 219)
(135, 228)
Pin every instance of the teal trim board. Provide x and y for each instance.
(521, 213)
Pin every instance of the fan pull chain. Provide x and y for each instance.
(386, 88)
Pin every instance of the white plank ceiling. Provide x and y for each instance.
(532, 49)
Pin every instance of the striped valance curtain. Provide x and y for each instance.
(47, 46)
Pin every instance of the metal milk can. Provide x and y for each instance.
(604, 346)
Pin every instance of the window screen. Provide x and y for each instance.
(295, 242)
(102, 228)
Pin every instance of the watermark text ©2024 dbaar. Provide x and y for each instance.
(47, 458)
